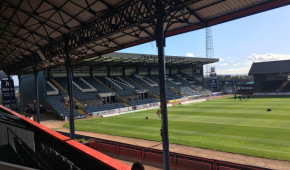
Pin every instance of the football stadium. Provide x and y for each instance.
(81, 104)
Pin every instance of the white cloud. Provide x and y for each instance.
(246, 64)
(189, 55)
(268, 57)
(221, 59)
(237, 64)
(243, 70)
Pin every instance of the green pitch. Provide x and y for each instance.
(226, 124)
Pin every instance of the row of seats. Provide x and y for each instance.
(128, 84)
(125, 86)
(56, 101)
(272, 85)
(142, 101)
(146, 85)
(183, 80)
(121, 84)
(155, 89)
(190, 82)
(287, 87)
(81, 96)
(170, 94)
(81, 83)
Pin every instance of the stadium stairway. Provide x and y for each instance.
(287, 87)
(282, 87)
(59, 85)
(117, 94)
(171, 87)
(156, 96)
(63, 89)
(82, 112)
(188, 77)
(171, 91)
(174, 90)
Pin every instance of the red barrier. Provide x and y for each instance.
(130, 152)
(107, 147)
(187, 161)
(83, 150)
(190, 164)
(176, 160)
(92, 144)
(226, 168)
(156, 157)
(233, 166)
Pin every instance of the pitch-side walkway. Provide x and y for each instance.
(205, 153)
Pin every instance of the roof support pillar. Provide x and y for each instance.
(193, 72)
(36, 97)
(69, 90)
(91, 71)
(108, 71)
(203, 81)
(149, 70)
(137, 69)
(48, 74)
(123, 71)
(160, 42)
(20, 94)
(10, 97)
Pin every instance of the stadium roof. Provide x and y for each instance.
(129, 59)
(35, 35)
(271, 67)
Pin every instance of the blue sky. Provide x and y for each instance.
(261, 37)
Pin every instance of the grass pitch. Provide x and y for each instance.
(244, 127)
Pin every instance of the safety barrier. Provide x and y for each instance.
(56, 150)
(154, 155)
(177, 160)
(220, 165)
(133, 153)
(188, 164)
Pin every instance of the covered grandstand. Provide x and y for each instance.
(115, 83)
(271, 78)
